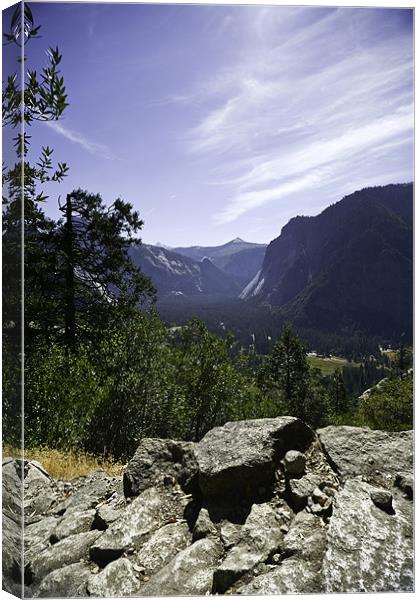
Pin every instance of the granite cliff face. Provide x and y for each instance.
(350, 268)
(256, 507)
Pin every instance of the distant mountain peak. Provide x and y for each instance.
(237, 240)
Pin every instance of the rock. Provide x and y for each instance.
(90, 492)
(241, 456)
(299, 490)
(291, 577)
(159, 461)
(294, 462)
(107, 514)
(65, 552)
(405, 483)
(190, 573)
(383, 500)
(162, 546)
(117, 579)
(39, 491)
(140, 518)
(260, 537)
(73, 522)
(350, 448)
(11, 549)
(37, 537)
(230, 534)
(203, 526)
(299, 573)
(69, 581)
(368, 550)
(12, 486)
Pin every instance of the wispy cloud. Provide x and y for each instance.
(92, 147)
(297, 113)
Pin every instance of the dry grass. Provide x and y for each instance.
(67, 465)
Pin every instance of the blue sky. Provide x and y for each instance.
(218, 121)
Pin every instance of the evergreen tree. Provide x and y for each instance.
(97, 282)
(287, 369)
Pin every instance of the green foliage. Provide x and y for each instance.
(389, 407)
(61, 393)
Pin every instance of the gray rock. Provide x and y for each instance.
(67, 582)
(294, 462)
(261, 536)
(299, 490)
(405, 483)
(90, 492)
(12, 549)
(291, 577)
(351, 448)
(117, 579)
(140, 518)
(383, 500)
(368, 550)
(230, 534)
(38, 489)
(162, 546)
(190, 573)
(65, 552)
(203, 526)
(37, 537)
(107, 514)
(241, 456)
(157, 459)
(306, 539)
(12, 486)
(72, 523)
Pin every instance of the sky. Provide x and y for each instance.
(219, 122)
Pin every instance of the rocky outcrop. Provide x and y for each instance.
(256, 507)
(241, 456)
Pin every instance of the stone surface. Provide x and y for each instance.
(73, 522)
(117, 579)
(294, 462)
(271, 532)
(299, 490)
(89, 493)
(241, 456)
(203, 526)
(368, 550)
(140, 518)
(69, 581)
(378, 455)
(65, 552)
(158, 461)
(162, 546)
(190, 573)
(260, 537)
(230, 534)
(383, 500)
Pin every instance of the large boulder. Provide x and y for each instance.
(241, 456)
(378, 455)
(190, 573)
(157, 461)
(368, 549)
(144, 515)
(69, 581)
(66, 552)
(119, 578)
(162, 546)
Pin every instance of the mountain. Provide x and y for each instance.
(348, 269)
(238, 258)
(172, 273)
